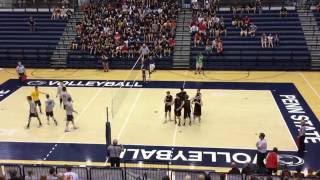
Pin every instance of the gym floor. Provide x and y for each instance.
(232, 118)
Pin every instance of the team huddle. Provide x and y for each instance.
(64, 99)
(182, 102)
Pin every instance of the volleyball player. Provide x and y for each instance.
(49, 109)
(32, 112)
(35, 97)
(168, 101)
(182, 94)
(186, 110)
(197, 106)
(59, 92)
(65, 96)
(177, 109)
(144, 78)
(69, 112)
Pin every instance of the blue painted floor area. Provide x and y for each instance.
(292, 105)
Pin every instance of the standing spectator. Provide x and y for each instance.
(70, 175)
(113, 152)
(263, 40)
(105, 62)
(144, 52)
(199, 63)
(270, 40)
(21, 71)
(32, 23)
(301, 137)
(247, 169)
(234, 169)
(262, 150)
(272, 161)
(276, 40)
(252, 30)
(14, 175)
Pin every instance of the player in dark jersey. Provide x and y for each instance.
(144, 78)
(182, 94)
(186, 110)
(168, 101)
(177, 109)
(197, 106)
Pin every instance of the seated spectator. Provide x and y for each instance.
(285, 172)
(298, 173)
(270, 40)
(252, 30)
(219, 46)
(165, 178)
(311, 173)
(244, 30)
(318, 7)
(63, 13)
(272, 161)
(276, 40)
(283, 12)
(208, 48)
(236, 21)
(187, 177)
(32, 23)
(247, 169)
(263, 40)
(52, 175)
(14, 175)
(246, 20)
(30, 176)
(234, 169)
(197, 39)
(56, 13)
(70, 174)
(194, 29)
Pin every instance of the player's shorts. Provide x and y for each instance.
(199, 65)
(49, 114)
(186, 114)
(37, 102)
(167, 108)
(60, 100)
(33, 115)
(177, 113)
(69, 117)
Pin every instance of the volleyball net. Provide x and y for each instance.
(121, 93)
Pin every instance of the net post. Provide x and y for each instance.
(108, 129)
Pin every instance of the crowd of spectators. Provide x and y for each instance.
(61, 13)
(206, 24)
(51, 175)
(119, 30)
(270, 41)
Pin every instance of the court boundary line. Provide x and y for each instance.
(310, 85)
(76, 120)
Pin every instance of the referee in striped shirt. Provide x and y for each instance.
(113, 152)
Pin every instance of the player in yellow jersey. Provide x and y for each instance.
(35, 97)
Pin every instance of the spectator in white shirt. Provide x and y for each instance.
(261, 150)
(70, 175)
(144, 52)
(30, 176)
(270, 40)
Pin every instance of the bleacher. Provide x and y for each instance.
(83, 59)
(246, 53)
(17, 42)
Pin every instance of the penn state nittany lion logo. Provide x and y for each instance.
(36, 83)
(290, 160)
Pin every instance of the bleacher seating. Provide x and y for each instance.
(17, 42)
(317, 17)
(246, 52)
(81, 59)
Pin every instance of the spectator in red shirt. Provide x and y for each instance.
(272, 161)
(197, 39)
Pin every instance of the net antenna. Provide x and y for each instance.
(118, 96)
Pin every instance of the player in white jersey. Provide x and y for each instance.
(32, 112)
(59, 92)
(65, 96)
(69, 111)
(49, 109)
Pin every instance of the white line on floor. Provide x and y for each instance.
(309, 84)
(77, 119)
